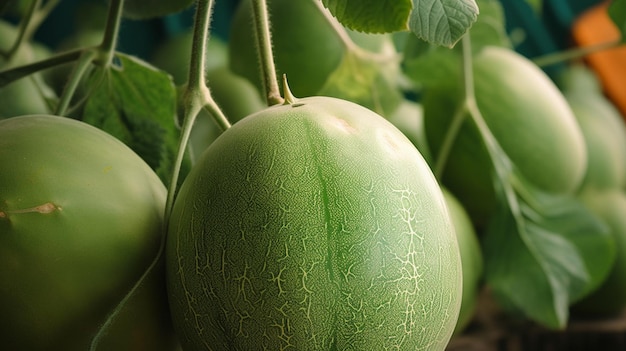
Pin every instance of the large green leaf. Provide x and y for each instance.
(137, 104)
(544, 251)
(442, 22)
(617, 12)
(372, 16)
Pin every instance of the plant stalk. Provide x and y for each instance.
(350, 45)
(575, 53)
(449, 139)
(196, 81)
(41, 13)
(202, 21)
(84, 62)
(111, 31)
(23, 32)
(266, 57)
(196, 94)
(501, 163)
(341, 32)
(102, 55)
(12, 74)
(37, 13)
(461, 112)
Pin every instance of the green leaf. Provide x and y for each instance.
(568, 216)
(545, 251)
(442, 22)
(363, 79)
(617, 13)
(490, 27)
(434, 68)
(371, 16)
(137, 104)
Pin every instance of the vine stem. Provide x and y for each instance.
(338, 28)
(462, 111)
(196, 87)
(502, 165)
(36, 14)
(12, 74)
(84, 61)
(504, 169)
(102, 55)
(571, 54)
(349, 44)
(111, 31)
(448, 141)
(42, 14)
(266, 56)
(29, 24)
(24, 31)
(196, 96)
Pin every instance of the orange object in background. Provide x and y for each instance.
(595, 27)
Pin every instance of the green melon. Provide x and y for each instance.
(602, 126)
(313, 225)
(529, 117)
(608, 299)
(81, 218)
(22, 96)
(471, 260)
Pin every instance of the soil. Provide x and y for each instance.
(493, 330)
